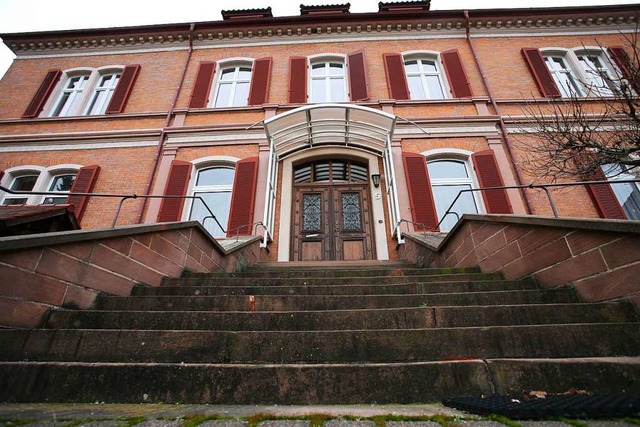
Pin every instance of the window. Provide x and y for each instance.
(102, 93)
(86, 94)
(328, 81)
(426, 75)
(563, 76)
(214, 185)
(61, 184)
(628, 194)
(70, 97)
(83, 92)
(330, 171)
(59, 178)
(448, 177)
(232, 87)
(233, 82)
(566, 73)
(598, 80)
(24, 182)
(424, 78)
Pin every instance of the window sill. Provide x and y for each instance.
(84, 118)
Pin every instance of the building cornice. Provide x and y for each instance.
(390, 23)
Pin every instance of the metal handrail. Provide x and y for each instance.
(544, 187)
(124, 197)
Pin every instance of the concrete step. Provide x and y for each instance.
(219, 279)
(331, 302)
(340, 289)
(395, 318)
(375, 346)
(407, 382)
(319, 272)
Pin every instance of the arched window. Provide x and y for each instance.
(424, 77)
(597, 77)
(86, 92)
(563, 75)
(214, 185)
(59, 178)
(102, 93)
(232, 86)
(628, 194)
(574, 72)
(328, 80)
(71, 96)
(20, 181)
(448, 177)
(60, 182)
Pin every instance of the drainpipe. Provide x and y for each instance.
(503, 127)
(167, 121)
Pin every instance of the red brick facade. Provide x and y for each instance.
(135, 148)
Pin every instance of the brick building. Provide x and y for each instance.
(329, 128)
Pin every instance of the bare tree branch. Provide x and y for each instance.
(575, 135)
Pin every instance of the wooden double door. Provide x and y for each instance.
(331, 222)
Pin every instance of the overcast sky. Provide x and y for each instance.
(41, 15)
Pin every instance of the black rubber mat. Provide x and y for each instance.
(570, 406)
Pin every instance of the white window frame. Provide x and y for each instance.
(81, 102)
(72, 102)
(206, 163)
(52, 173)
(46, 175)
(461, 156)
(328, 59)
(226, 65)
(581, 80)
(590, 82)
(426, 55)
(109, 89)
(618, 187)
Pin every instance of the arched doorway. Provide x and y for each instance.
(331, 212)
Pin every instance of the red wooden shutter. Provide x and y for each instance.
(604, 198)
(123, 90)
(540, 72)
(486, 166)
(202, 86)
(396, 78)
(243, 197)
(260, 78)
(622, 60)
(423, 208)
(179, 175)
(358, 83)
(458, 81)
(46, 87)
(297, 80)
(84, 183)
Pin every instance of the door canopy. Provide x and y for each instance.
(330, 124)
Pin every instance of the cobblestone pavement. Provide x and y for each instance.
(160, 415)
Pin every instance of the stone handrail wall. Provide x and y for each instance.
(600, 258)
(69, 269)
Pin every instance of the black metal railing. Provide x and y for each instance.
(545, 187)
(125, 197)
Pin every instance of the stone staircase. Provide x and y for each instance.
(369, 332)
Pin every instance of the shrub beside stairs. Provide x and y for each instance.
(370, 332)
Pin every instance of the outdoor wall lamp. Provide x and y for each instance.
(376, 179)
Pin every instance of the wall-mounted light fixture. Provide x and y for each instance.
(376, 179)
